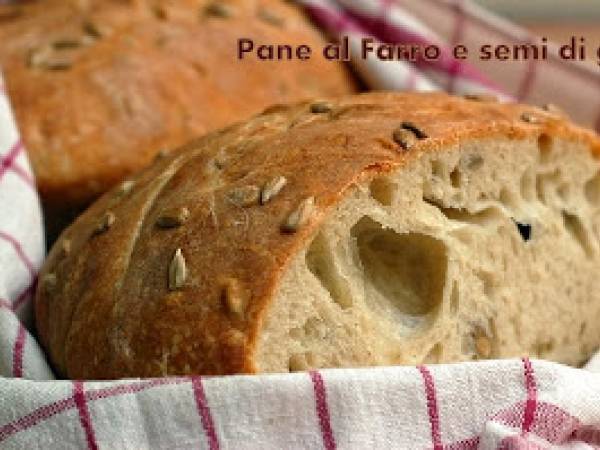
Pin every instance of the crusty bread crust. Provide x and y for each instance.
(104, 308)
(99, 87)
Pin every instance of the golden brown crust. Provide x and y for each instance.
(99, 87)
(110, 312)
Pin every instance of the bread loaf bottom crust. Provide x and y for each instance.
(487, 249)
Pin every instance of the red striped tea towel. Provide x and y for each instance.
(510, 404)
(574, 86)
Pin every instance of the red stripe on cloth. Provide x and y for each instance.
(322, 409)
(531, 404)
(204, 412)
(84, 414)
(18, 350)
(457, 34)
(25, 294)
(35, 417)
(5, 304)
(432, 407)
(19, 250)
(45, 412)
(8, 160)
(465, 444)
(23, 175)
(131, 388)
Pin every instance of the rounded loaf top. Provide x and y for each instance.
(99, 87)
(174, 270)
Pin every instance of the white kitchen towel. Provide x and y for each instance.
(510, 404)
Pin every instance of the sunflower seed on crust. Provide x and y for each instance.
(272, 188)
(530, 117)
(177, 271)
(173, 217)
(233, 297)
(107, 221)
(65, 247)
(420, 134)
(245, 195)
(404, 138)
(49, 282)
(320, 107)
(218, 9)
(299, 216)
(481, 97)
(126, 186)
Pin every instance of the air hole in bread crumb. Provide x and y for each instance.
(382, 190)
(434, 355)
(545, 145)
(592, 190)
(524, 230)
(578, 232)
(456, 177)
(320, 261)
(484, 217)
(404, 274)
(473, 162)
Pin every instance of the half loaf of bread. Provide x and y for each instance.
(376, 229)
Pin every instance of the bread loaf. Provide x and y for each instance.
(99, 87)
(376, 229)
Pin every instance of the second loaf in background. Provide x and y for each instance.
(100, 86)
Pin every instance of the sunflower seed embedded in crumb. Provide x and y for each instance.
(245, 195)
(404, 138)
(420, 134)
(320, 107)
(177, 271)
(173, 217)
(49, 282)
(483, 346)
(270, 17)
(233, 297)
(107, 220)
(218, 9)
(272, 188)
(299, 216)
(481, 97)
(530, 117)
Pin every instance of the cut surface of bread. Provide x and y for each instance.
(487, 249)
(375, 229)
